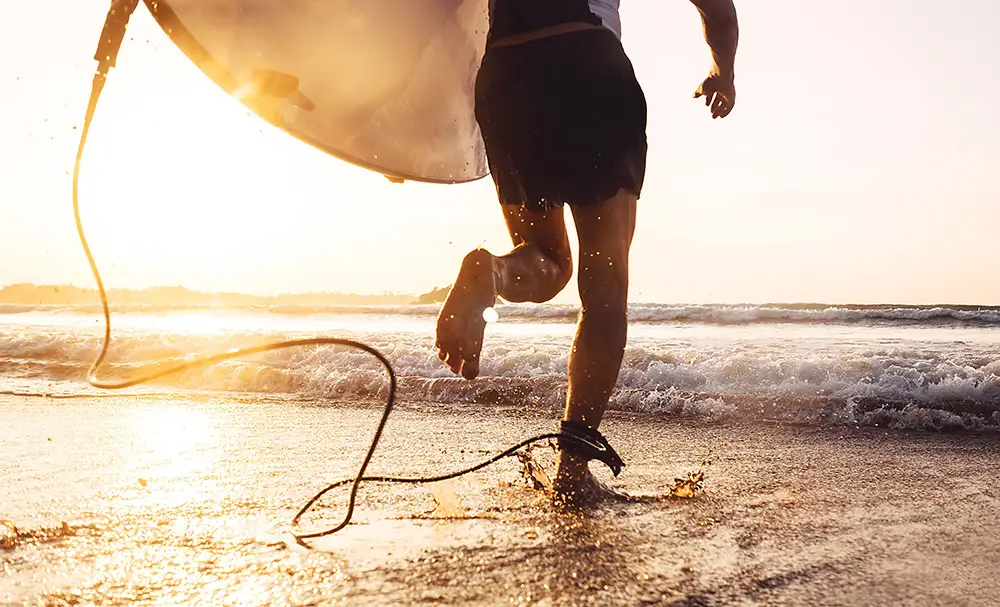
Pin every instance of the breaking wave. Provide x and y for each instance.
(922, 386)
(641, 313)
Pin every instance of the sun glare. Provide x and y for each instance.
(182, 180)
(172, 432)
(173, 446)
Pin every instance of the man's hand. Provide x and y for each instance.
(719, 93)
(722, 33)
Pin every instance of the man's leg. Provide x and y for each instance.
(536, 270)
(605, 232)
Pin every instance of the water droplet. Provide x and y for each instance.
(490, 315)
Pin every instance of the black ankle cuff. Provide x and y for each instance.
(585, 441)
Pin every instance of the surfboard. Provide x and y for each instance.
(387, 85)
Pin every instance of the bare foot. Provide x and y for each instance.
(460, 325)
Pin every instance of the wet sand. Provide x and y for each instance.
(169, 501)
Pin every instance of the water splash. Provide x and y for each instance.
(689, 487)
(447, 503)
(694, 483)
(532, 469)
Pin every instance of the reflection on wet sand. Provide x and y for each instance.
(775, 523)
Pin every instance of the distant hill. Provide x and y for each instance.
(30, 294)
(435, 295)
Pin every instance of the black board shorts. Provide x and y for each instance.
(563, 119)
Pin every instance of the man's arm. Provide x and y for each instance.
(722, 33)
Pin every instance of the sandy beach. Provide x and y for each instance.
(172, 501)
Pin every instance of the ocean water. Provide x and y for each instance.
(181, 492)
(931, 368)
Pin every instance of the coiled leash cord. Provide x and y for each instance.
(576, 437)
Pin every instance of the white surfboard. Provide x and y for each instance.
(384, 84)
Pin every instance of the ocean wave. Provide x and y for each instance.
(720, 314)
(815, 313)
(904, 386)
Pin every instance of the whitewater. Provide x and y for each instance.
(916, 367)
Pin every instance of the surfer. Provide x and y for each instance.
(563, 119)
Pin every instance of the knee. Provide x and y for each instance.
(610, 311)
(607, 318)
(603, 285)
(606, 300)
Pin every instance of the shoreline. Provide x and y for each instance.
(790, 514)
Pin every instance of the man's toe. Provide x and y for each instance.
(470, 370)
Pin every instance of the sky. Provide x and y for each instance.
(859, 166)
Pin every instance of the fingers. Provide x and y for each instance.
(719, 105)
(725, 110)
(708, 96)
(719, 102)
(703, 91)
(711, 96)
(713, 101)
(722, 106)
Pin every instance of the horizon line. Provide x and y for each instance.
(400, 294)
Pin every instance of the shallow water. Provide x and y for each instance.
(159, 501)
(180, 502)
